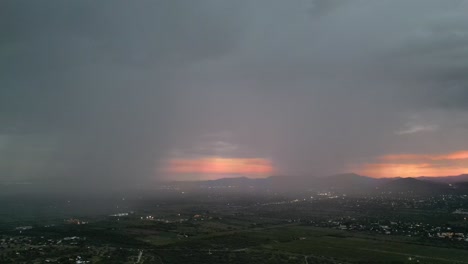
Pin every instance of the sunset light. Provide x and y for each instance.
(458, 155)
(256, 167)
(414, 165)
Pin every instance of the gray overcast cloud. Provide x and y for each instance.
(107, 91)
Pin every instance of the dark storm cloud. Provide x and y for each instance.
(112, 88)
(329, 90)
(97, 77)
(323, 7)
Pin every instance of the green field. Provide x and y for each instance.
(295, 243)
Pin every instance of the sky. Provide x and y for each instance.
(116, 93)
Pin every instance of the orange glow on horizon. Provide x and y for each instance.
(458, 155)
(390, 170)
(414, 165)
(215, 165)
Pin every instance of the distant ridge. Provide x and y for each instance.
(446, 179)
(413, 185)
(346, 183)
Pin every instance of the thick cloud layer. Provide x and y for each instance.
(108, 91)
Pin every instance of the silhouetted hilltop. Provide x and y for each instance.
(415, 186)
(345, 183)
(446, 179)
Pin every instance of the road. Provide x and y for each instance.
(139, 256)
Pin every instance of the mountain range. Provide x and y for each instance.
(344, 183)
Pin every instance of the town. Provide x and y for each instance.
(273, 227)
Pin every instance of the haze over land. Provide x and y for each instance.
(116, 93)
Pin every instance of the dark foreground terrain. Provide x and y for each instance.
(224, 225)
